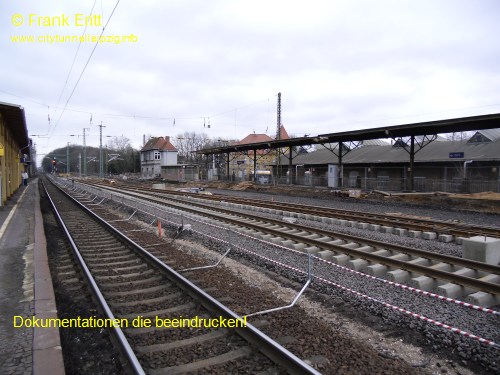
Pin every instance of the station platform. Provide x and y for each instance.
(26, 288)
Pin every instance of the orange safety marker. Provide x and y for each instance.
(159, 228)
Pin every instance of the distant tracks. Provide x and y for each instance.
(406, 222)
(422, 269)
(130, 282)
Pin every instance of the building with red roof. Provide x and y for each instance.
(158, 152)
(241, 167)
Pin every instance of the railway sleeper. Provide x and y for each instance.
(327, 220)
(377, 270)
(312, 236)
(130, 268)
(210, 336)
(138, 292)
(446, 238)
(299, 246)
(204, 363)
(351, 245)
(399, 276)
(324, 239)
(104, 256)
(97, 264)
(337, 242)
(65, 267)
(360, 264)
(341, 259)
(103, 241)
(311, 250)
(276, 240)
(362, 225)
(290, 231)
(164, 298)
(123, 278)
(161, 313)
(109, 284)
(483, 299)
(326, 254)
(452, 290)
(288, 243)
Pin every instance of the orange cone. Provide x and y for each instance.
(159, 228)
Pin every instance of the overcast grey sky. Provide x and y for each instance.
(340, 65)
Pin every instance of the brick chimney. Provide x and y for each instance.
(167, 138)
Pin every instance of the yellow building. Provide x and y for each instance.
(241, 165)
(14, 149)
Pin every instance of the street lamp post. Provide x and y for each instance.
(67, 159)
(101, 160)
(84, 153)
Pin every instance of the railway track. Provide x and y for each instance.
(142, 293)
(453, 277)
(389, 222)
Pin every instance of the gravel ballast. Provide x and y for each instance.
(455, 353)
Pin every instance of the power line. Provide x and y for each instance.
(74, 58)
(236, 109)
(177, 118)
(86, 64)
(24, 98)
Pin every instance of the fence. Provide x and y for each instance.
(421, 184)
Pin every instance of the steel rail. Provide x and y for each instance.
(263, 343)
(397, 264)
(120, 338)
(382, 218)
(457, 229)
(480, 266)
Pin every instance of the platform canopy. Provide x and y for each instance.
(461, 124)
(15, 120)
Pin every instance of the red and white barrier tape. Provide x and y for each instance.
(402, 286)
(393, 307)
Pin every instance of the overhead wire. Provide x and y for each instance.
(74, 59)
(22, 97)
(236, 109)
(175, 119)
(86, 64)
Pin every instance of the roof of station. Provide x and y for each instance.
(491, 134)
(482, 122)
(391, 154)
(15, 120)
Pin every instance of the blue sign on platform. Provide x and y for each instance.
(456, 155)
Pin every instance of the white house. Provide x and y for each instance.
(158, 152)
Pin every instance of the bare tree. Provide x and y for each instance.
(458, 136)
(119, 143)
(121, 156)
(188, 143)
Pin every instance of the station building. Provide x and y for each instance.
(159, 161)
(408, 157)
(158, 152)
(15, 149)
(467, 165)
(241, 165)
